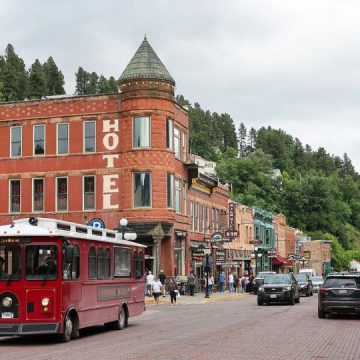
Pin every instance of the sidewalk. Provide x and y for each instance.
(199, 298)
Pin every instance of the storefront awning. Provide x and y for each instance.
(279, 260)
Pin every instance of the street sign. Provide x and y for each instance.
(231, 233)
(97, 223)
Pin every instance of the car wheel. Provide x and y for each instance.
(120, 323)
(297, 300)
(321, 314)
(292, 300)
(308, 294)
(260, 302)
(311, 294)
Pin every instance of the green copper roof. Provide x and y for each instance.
(145, 64)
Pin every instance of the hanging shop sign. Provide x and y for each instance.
(232, 218)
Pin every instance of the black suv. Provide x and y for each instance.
(279, 288)
(305, 284)
(260, 279)
(340, 293)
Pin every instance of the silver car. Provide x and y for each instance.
(317, 281)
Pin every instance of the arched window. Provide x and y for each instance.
(141, 263)
(100, 263)
(92, 263)
(107, 263)
(72, 270)
(135, 271)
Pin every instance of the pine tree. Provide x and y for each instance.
(82, 81)
(36, 81)
(242, 133)
(13, 75)
(93, 84)
(113, 85)
(54, 79)
(103, 85)
(251, 143)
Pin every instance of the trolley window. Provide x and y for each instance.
(41, 262)
(122, 262)
(10, 260)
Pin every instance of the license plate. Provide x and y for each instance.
(7, 315)
(342, 291)
(272, 296)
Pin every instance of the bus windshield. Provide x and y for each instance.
(41, 262)
(10, 260)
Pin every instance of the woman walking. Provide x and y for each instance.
(173, 287)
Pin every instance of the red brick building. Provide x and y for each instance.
(112, 156)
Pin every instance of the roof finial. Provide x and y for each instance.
(145, 39)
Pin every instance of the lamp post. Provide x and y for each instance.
(126, 233)
(207, 268)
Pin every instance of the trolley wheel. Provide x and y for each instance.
(68, 329)
(121, 322)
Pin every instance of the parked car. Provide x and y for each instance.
(317, 281)
(260, 279)
(340, 293)
(279, 288)
(305, 284)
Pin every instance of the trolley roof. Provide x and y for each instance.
(54, 227)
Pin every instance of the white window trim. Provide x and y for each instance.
(84, 125)
(32, 195)
(83, 192)
(43, 125)
(133, 190)
(172, 176)
(14, 212)
(57, 139)
(21, 148)
(171, 134)
(184, 146)
(177, 155)
(67, 194)
(178, 211)
(132, 133)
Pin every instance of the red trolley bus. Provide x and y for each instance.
(57, 277)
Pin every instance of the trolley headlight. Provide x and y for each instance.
(7, 302)
(45, 301)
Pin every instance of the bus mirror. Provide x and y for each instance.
(69, 254)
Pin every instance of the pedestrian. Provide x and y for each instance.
(162, 278)
(149, 281)
(173, 291)
(191, 283)
(156, 290)
(211, 283)
(242, 283)
(231, 282)
(236, 283)
(222, 281)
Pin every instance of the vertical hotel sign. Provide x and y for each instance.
(232, 218)
(110, 181)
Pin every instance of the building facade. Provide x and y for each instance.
(97, 159)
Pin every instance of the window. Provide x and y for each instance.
(138, 261)
(141, 131)
(184, 199)
(11, 269)
(177, 142)
(142, 189)
(107, 263)
(170, 191)
(192, 215)
(178, 196)
(61, 194)
(15, 140)
(122, 262)
(92, 263)
(184, 146)
(196, 216)
(169, 134)
(72, 270)
(38, 194)
(41, 262)
(62, 139)
(39, 139)
(100, 263)
(15, 196)
(89, 192)
(89, 136)
(201, 217)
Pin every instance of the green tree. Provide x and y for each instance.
(54, 79)
(113, 85)
(13, 75)
(36, 81)
(242, 135)
(82, 81)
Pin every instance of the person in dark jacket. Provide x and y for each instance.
(162, 278)
(191, 283)
(173, 289)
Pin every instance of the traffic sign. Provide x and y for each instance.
(97, 223)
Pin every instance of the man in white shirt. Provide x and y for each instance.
(149, 282)
(156, 290)
(231, 282)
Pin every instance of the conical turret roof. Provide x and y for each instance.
(145, 64)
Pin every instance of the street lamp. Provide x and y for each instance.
(126, 233)
(208, 263)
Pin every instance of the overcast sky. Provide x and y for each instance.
(288, 64)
